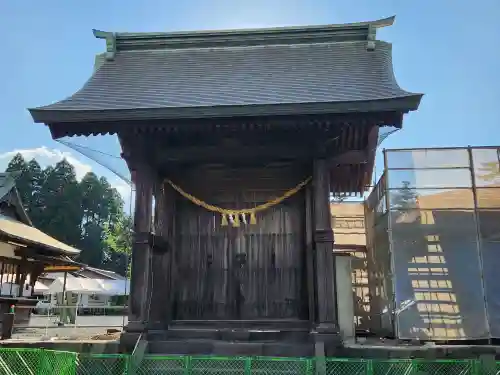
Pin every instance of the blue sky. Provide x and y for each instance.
(448, 50)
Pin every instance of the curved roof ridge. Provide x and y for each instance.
(383, 22)
(288, 35)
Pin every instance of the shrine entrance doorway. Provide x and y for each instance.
(239, 271)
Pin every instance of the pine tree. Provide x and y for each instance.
(34, 205)
(62, 204)
(405, 198)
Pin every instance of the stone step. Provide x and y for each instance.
(271, 324)
(228, 334)
(227, 348)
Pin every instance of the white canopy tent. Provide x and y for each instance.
(89, 286)
(74, 284)
(40, 288)
(115, 287)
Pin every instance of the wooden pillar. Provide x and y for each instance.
(140, 293)
(23, 270)
(326, 309)
(310, 248)
(162, 257)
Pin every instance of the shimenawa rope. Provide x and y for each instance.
(235, 215)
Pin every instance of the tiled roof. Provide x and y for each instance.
(29, 235)
(176, 79)
(7, 183)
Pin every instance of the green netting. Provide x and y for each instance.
(19, 362)
(158, 365)
(444, 367)
(56, 362)
(216, 365)
(335, 366)
(36, 362)
(418, 366)
(47, 362)
(100, 364)
(394, 367)
(291, 366)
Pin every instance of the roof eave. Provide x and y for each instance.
(35, 244)
(49, 116)
(21, 210)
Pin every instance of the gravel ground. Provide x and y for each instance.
(43, 327)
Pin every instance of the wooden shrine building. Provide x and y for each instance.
(237, 138)
(25, 253)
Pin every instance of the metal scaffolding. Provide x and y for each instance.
(433, 240)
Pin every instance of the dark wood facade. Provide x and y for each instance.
(280, 269)
(236, 146)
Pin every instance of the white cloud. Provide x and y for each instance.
(47, 156)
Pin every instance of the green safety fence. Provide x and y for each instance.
(45, 362)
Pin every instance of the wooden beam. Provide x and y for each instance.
(225, 153)
(371, 149)
(349, 157)
(265, 152)
(264, 123)
(62, 268)
(350, 247)
(45, 257)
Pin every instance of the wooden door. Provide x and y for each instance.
(248, 272)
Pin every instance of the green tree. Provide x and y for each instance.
(87, 214)
(34, 205)
(102, 209)
(404, 198)
(114, 203)
(118, 239)
(92, 196)
(92, 244)
(61, 201)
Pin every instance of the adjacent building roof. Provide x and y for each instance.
(31, 236)
(318, 69)
(9, 193)
(98, 273)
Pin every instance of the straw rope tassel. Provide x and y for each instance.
(224, 221)
(236, 221)
(253, 218)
